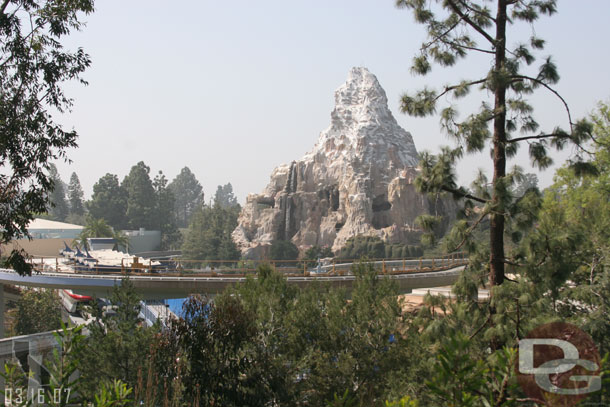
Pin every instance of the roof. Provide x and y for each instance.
(38, 223)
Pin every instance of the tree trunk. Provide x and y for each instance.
(496, 232)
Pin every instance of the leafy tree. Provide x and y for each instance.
(212, 342)
(33, 66)
(283, 250)
(224, 196)
(140, 197)
(457, 29)
(109, 201)
(571, 240)
(38, 311)
(118, 343)
(209, 234)
(58, 206)
(314, 343)
(188, 196)
(164, 213)
(75, 196)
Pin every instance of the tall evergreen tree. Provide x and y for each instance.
(75, 196)
(109, 201)
(164, 213)
(224, 196)
(58, 206)
(188, 196)
(140, 197)
(209, 234)
(457, 29)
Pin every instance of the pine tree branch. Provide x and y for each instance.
(464, 194)
(545, 136)
(475, 333)
(464, 17)
(453, 87)
(512, 263)
(479, 12)
(470, 229)
(440, 36)
(550, 89)
(455, 44)
(541, 136)
(4, 5)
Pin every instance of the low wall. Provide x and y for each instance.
(37, 247)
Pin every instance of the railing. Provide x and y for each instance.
(241, 268)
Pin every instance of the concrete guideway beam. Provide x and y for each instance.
(165, 287)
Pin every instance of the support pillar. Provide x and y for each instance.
(1, 311)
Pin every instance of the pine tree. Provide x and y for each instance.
(58, 206)
(188, 196)
(209, 234)
(457, 29)
(109, 201)
(75, 196)
(140, 197)
(164, 213)
(224, 196)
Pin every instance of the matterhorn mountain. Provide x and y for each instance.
(357, 180)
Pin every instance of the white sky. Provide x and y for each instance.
(233, 89)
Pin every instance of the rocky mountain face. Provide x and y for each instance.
(358, 179)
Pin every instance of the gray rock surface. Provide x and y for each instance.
(358, 179)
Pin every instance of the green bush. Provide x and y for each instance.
(375, 248)
(283, 250)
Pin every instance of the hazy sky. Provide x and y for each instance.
(233, 89)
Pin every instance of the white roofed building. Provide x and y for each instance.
(50, 229)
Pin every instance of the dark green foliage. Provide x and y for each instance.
(571, 240)
(188, 196)
(37, 311)
(224, 196)
(401, 251)
(118, 344)
(373, 247)
(283, 250)
(362, 246)
(209, 235)
(141, 199)
(34, 66)
(58, 206)
(216, 364)
(75, 196)
(267, 343)
(109, 201)
(164, 215)
(460, 380)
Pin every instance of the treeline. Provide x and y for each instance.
(138, 201)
